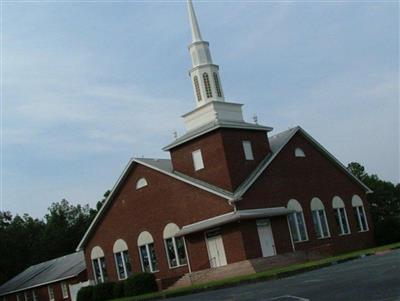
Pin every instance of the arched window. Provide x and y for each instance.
(197, 87)
(340, 215)
(319, 218)
(122, 261)
(217, 86)
(359, 213)
(207, 85)
(296, 221)
(99, 264)
(142, 182)
(147, 252)
(299, 153)
(175, 246)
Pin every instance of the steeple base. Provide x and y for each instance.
(213, 111)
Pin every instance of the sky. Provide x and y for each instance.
(88, 85)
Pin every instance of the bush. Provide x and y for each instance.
(85, 294)
(140, 283)
(387, 230)
(118, 290)
(103, 291)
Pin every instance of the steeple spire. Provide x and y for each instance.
(204, 73)
(194, 25)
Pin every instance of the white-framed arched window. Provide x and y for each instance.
(217, 85)
(339, 210)
(122, 261)
(197, 87)
(359, 213)
(319, 218)
(207, 85)
(99, 264)
(147, 252)
(299, 153)
(296, 221)
(142, 182)
(175, 246)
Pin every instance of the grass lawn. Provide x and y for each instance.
(270, 274)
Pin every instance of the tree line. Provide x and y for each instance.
(25, 240)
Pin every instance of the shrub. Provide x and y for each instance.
(103, 291)
(118, 290)
(85, 294)
(140, 283)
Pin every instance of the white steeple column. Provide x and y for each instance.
(204, 74)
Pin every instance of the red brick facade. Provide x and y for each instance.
(223, 156)
(169, 200)
(42, 292)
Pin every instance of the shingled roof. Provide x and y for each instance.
(47, 272)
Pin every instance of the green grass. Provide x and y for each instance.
(266, 275)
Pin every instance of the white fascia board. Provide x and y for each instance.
(41, 284)
(333, 158)
(185, 180)
(252, 178)
(100, 213)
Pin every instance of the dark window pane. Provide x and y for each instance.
(302, 227)
(127, 263)
(153, 257)
(316, 225)
(292, 224)
(145, 259)
(181, 250)
(171, 252)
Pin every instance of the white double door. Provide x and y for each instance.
(266, 238)
(216, 251)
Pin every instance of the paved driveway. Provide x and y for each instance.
(365, 279)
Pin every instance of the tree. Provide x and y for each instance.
(384, 204)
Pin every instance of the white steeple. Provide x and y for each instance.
(204, 74)
(211, 107)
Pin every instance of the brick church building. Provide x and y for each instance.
(229, 194)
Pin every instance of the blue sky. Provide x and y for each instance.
(88, 85)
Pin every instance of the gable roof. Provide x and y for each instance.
(54, 270)
(277, 143)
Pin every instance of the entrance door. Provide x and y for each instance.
(216, 251)
(266, 237)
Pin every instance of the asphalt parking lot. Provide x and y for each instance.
(372, 278)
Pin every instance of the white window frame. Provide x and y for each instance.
(64, 290)
(142, 182)
(152, 270)
(339, 214)
(98, 262)
(248, 150)
(18, 297)
(317, 207)
(298, 209)
(50, 290)
(198, 162)
(358, 205)
(26, 298)
(121, 253)
(299, 153)
(34, 295)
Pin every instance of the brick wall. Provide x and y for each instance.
(302, 179)
(223, 156)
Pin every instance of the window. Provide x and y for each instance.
(197, 87)
(147, 252)
(64, 289)
(207, 85)
(175, 246)
(319, 218)
(19, 298)
(122, 261)
(51, 293)
(217, 86)
(359, 213)
(197, 160)
(299, 153)
(35, 296)
(296, 222)
(142, 182)
(248, 151)
(99, 265)
(26, 296)
(340, 215)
